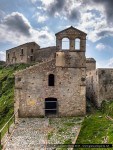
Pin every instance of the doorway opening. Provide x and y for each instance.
(50, 106)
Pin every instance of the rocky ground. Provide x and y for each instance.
(38, 133)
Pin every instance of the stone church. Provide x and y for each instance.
(61, 78)
(56, 84)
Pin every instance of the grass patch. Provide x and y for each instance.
(68, 141)
(7, 91)
(96, 128)
(107, 108)
(65, 130)
(50, 134)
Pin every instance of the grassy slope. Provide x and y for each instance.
(97, 128)
(7, 91)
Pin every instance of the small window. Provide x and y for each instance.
(51, 80)
(77, 44)
(65, 43)
(32, 51)
(22, 51)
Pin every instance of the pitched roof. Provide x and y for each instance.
(71, 27)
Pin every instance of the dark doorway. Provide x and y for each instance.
(51, 80)
(50, 106)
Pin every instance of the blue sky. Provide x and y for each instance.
(24, 21)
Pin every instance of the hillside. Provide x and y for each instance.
(7, 91)
(97, 127)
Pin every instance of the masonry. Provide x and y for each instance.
(56, 86)
(61, 79)
(100, 85)
(29, 53)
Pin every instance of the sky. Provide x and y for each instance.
(23, 21)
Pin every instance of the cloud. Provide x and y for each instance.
(74, 15)
(62, 9)
(88, 16)
(100, 46)
(2, 55)
(105, 32)
(110, 63)
(40, 18)
(33, 1)
(56, 6)
(107, 6)
(46, 2)
(95, 25)
(22, 32)
(16, 22)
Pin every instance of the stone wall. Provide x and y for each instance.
(31, 53)
(71, 91)
(100, 85)
(31, 89)
(22, 54)
(92, 86)
(45, 54)
(90, 64)
(71, 59)
(72, 34)
(69, 69)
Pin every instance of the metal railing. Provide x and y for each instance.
(6, 128)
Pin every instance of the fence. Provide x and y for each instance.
(6, 128)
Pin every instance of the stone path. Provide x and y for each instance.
(32, 134)
(29, 134)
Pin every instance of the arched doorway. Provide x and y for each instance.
(50, 106)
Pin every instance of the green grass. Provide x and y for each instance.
(7, 91)
(96, 127)
(107, 108)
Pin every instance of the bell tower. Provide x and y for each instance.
(71, 70)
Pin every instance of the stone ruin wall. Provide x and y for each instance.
(45, 54)
(31, 89)
(100, 85)
(105, 84)
(15, 54)
(90, 64)
(92, 87)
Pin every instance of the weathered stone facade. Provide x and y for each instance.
(90, 64)
(67, 96)
(75, 77)
(29, 53)
(22, 54)
(100, 85)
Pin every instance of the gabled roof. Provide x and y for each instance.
(71, 27)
